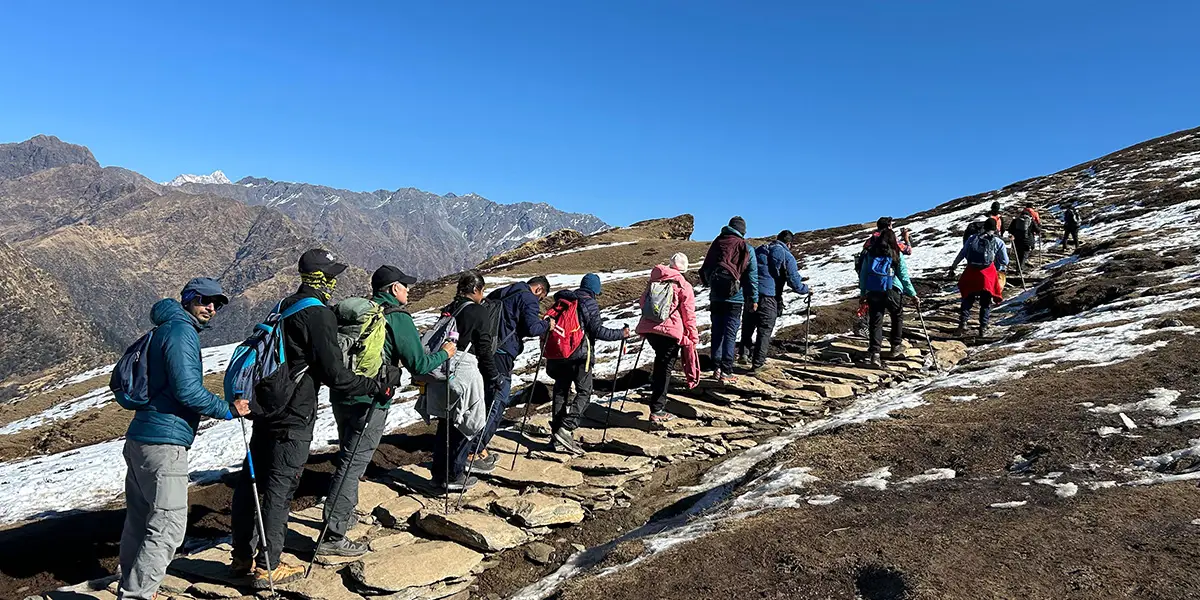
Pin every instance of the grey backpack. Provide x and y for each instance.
(659, 301)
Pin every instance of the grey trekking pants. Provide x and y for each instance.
(353, 430)
(156, 503)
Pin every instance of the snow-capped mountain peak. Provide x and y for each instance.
(214, 177)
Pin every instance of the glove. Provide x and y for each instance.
(388, 378)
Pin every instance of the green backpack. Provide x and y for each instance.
(362, 328)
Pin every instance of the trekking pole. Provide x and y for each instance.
(262, 531)
(612, 393)
(928, 340)
(807, 321)
(529, 401)
(1021, 272)
(338, 493)
(636, 359)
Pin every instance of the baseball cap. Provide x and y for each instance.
(387, 275)
(319, 260)
(204, 287)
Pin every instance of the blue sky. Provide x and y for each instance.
(792, 114)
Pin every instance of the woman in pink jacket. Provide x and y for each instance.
(668, 323)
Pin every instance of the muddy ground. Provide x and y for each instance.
(940, 539)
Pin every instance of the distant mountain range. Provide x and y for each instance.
(88, 249)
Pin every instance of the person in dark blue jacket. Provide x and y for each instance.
(577, 368)
(160, 434)
(519, 317)
(775, 264)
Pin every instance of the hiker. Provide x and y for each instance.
(994, 215)
(1071, 224)
(515, 309)
(667, 327)
(161, 433)
(358, 438)
(986, 258)
(883, 280)
(731, 274)
(577, 368)
(861, 324)
(472, 321)
(280, 445)
(775, 263)
(1025, 229)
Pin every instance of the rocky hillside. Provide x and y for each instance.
(106, 242)
(434, 234)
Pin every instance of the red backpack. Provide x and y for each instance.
(567, 334)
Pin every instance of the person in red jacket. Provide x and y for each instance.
(668, 336)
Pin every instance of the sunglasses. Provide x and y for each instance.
(216, 301)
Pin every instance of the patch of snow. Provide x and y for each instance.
(877, 479)
(1160, 401)
(822, 499)
(930, 475)
(216, 177)
(1013, 504)
(963, 398)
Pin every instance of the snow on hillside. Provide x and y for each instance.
(216, 177)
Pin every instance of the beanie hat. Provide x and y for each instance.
(591, 283)
(679, 262)
(738, 224)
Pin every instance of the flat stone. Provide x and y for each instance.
(715, 449)
(477, 530)
(618, 480)
(321, 584)
(209, 565)
(329, 560)
(386, 542)
(831, 390)
(174, 585)
(396, 511)
(633, 441)
(415, 566)
(692, 408)
(372, 494)
(302, 533)
(633, 414)
(539, 553)
(536, 472)
(214, 590)
(606, 463)
(539, 510)
(866, 375)
(707, 432)
(447, 590)
(77, 595)
(743, 444)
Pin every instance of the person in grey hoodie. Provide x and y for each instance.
(160, 434)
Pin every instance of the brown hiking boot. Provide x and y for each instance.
(284, 573)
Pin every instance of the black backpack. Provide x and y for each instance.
(974, 228)
(1022, 229)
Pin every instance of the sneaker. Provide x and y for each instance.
(284, 573)
(742, 360)
(241, 567)
(661, 416)
(461, 484)
(983, 331)
(563, 441)
(728, 379)
(483, 466)
(898, 350)
(875, 361)
(341, 546)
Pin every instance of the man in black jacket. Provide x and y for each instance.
(577, 368)
(516, 312)
(280, 444)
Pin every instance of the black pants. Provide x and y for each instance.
(278, 464)
(878, 303)
(354, 432)
(666, 352)
(565, 374)
(1071, 231)
(985, 308)
(1022, 254)
(757, 329)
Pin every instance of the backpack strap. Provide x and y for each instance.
(300, 305)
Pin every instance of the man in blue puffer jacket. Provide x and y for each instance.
(775, 265)
(158, 438)
(577, 368)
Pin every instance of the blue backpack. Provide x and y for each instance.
(258, 369)
(880, 275)
(130, 381)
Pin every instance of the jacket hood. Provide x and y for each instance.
(576, 295)
(169, 309)
(386, 299)
(665, 273)
(727, 230)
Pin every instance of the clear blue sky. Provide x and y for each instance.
(792, 114)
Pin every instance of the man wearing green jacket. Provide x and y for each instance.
(401, 346)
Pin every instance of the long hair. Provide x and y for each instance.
(886, 244)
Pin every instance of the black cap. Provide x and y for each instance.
(204, 287)
(319, 260)
(387, 275)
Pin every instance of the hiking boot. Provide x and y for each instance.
(563, 441)
(961, 331)
(483, 466)
(742, 360)
(341, 546)
(898, 350)
(284, 573)
(875, 361)
(729, 379)
(661, 416)
(461, 484)
(241, 567)
(983, 331)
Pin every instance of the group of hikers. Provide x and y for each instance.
(463, 366)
